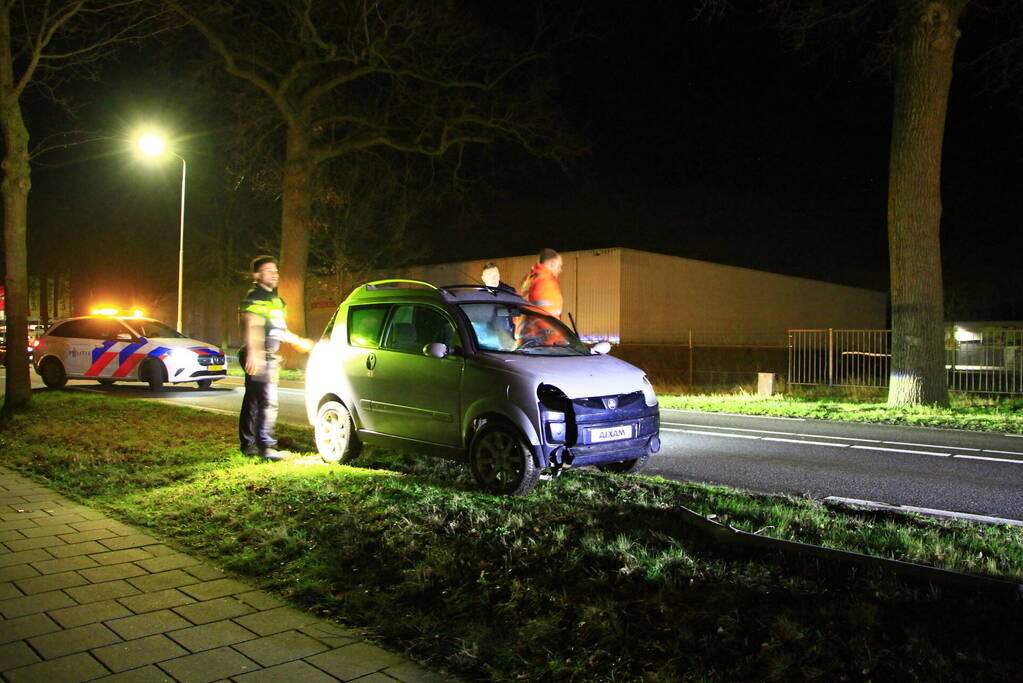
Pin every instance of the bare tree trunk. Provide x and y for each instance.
(928, 35)
(296, 217)
(15, 187)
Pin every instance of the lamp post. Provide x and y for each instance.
(153, 145)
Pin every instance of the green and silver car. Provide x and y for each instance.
(477, 375)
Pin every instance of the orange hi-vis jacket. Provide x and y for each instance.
(541, 288)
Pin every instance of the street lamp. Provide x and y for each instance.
(154, 146)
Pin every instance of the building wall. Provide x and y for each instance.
(666, 297)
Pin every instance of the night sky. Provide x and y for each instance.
(706, 140)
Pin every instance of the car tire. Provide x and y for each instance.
(53, 374)
(501, 461)
(336, 440)
(626, 466)
(204, 383)
(105, 381)
(154, 374)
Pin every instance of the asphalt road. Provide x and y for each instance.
(964, 472)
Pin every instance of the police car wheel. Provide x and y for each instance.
(626, 466)
(154, 374)
(204, 383)
(336, 440)
(53, 373)
(501, 461)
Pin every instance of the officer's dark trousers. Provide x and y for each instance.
(259, 412)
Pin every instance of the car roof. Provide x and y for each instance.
(412, 291)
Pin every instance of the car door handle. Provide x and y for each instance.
(371, 361)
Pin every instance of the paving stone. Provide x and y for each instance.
(24, 557)
(410, 672)
(209, 636)
(20, 544)
(275, 620)
(100, 523)
(44, 495)
(220, 588)
(290, 672)
(52, 530)
(8, 590)
(69, 641)
(64, 564)
(90, 535)
(118, 556)
(11, 535)
(147, 602)
(352, 661)
(13, 655)
(50, 582)
(26, 627)
(213, 610)
(140, 625)
(171, 579)
(66, 519)
(280, 648)
(205, 572)
(72, 549)
(209, 666)
(77, 667)
(10, 524)
(132, 541)
(330, 635)
(102, 591)
(22, 514)
(135, 653)
(112, 572)
(17, 571)
(159, 550)
(375, 677)
(90, 613)
(146, 674)
(164, 563)
(260, 600)
(33, 604)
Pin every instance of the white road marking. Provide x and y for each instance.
(981, 457)
(900, 450)
(759, 417)
(925, 445)
(695, 431)
(924, 511)
(804, 441)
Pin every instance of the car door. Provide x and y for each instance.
(360, 343)
(98, 348)
(416, 396)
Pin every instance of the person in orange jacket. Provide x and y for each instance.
(541, 287)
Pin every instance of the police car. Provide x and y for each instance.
(109, 347)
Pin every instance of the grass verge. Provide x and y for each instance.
(965, 412)
(591, 577)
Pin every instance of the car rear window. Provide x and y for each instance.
(365, 325)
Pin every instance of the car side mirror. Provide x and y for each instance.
(436, 350)
(123, 336)
(601, 348)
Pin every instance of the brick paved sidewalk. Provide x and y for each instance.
(84, 597)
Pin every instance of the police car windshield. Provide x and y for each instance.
(148, 328)
(510, 328)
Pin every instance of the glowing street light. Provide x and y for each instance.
(153, 145)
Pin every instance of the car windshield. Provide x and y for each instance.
(148, 328)
(512, 328)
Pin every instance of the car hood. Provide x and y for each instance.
(184, 343)
(577, 376)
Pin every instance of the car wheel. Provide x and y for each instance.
(626, 466)
(53, 374)
(105, 382)
(204, 383)
(154, 374)
(336, 439)
(501, 461)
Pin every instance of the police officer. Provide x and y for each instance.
(264, 327)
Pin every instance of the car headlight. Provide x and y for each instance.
(648, 392)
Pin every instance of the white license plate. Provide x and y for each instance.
(610, 433)
(214, 368)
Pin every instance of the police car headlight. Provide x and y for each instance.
(648, 392)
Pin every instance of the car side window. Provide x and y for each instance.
(67, 329)
(365, 325)
(413, 327)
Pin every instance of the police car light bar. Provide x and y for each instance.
(135, 313)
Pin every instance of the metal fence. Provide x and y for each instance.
(990, 363)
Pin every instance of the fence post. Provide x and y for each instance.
(690, 358)
(831, 357)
